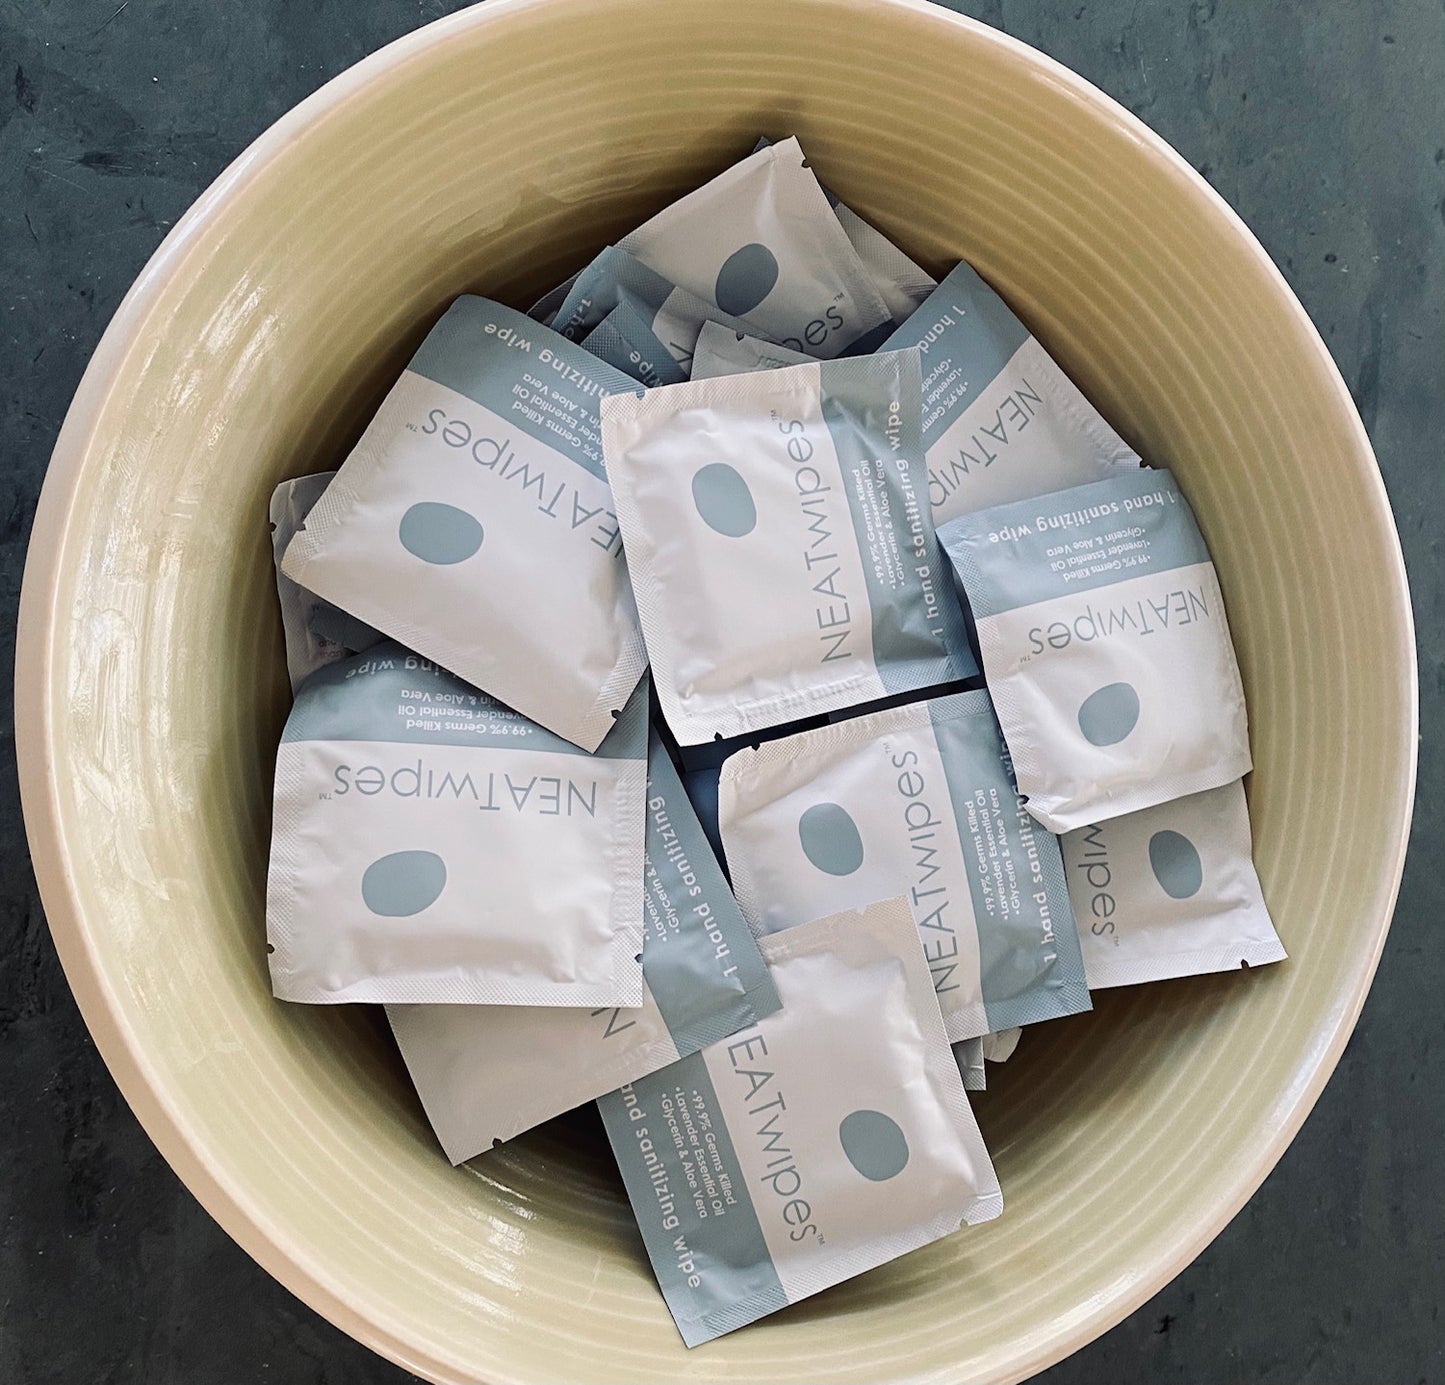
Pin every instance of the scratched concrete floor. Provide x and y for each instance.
(1324, 126)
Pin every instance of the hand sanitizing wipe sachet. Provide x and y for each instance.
(761, 242)
(488, 1072)
(673, 316)
(1169, 891)
(1105, 644)
(831, 1137)
(917, 801)
(1001, 421)
(473, 522)
(780, 543)
(429, 844)
(316, 632)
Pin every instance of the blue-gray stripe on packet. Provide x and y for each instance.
(1082, 539)
(724, 1250)
(887, 483)
(389, 694)
(963, 326)
(1030, 961)
(705, 971)
(493, 354)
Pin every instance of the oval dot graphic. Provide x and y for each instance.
(439, 533)
(723, 500)
(830, 839)
(746, 278)
(1176, 864)
(403, 883)
(1107, 716)
(874, 1144)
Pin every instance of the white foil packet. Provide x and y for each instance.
(761, 242)
(473, 522)
(780, 544)
(1169, 891)
(755, 1183)
(430, 845)
(918, 801)
(1103, 636)
(486, 1073)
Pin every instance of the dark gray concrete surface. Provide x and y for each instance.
(1323, 125)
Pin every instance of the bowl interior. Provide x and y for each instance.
(493, 153)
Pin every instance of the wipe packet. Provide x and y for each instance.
(1105, 644)
(1001, 421)
(969, 1057)
(430, 844)
(316, 632)
(625, 340)
(1169, 891)
(756, 1182)
(474, 524)
(780, 543)
(902, 284)
(999, 1047)
(488, 1072)
(722, 351)
(761, 242)
(917, 801)
(673, 316)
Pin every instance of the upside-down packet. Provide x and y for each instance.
(757, 1182)
(431, 845)
(473, 522)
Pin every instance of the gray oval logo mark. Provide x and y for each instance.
(874, 1144)
(746, 278)
(830, 839)
(438, 533)
(723, 500)
(1176, 864)
(404, 883)
(1107, 716)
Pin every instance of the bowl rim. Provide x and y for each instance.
(164, 1120)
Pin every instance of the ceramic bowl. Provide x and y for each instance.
(494, 152)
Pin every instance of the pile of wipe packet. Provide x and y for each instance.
(745, 691)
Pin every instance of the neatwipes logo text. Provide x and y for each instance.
(1147, 616)
(538, 795)
(833, 612)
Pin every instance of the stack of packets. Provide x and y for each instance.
(754, 448)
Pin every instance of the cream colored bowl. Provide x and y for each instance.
(494, 152)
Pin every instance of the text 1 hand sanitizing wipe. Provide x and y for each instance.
(917, 801)
(758, 1179)
(473, 522)
(488, 1072)
(780, 543)
(761, 242)
(1169, 891)
(1001, 421)
(1104, 640)
(429, 844)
